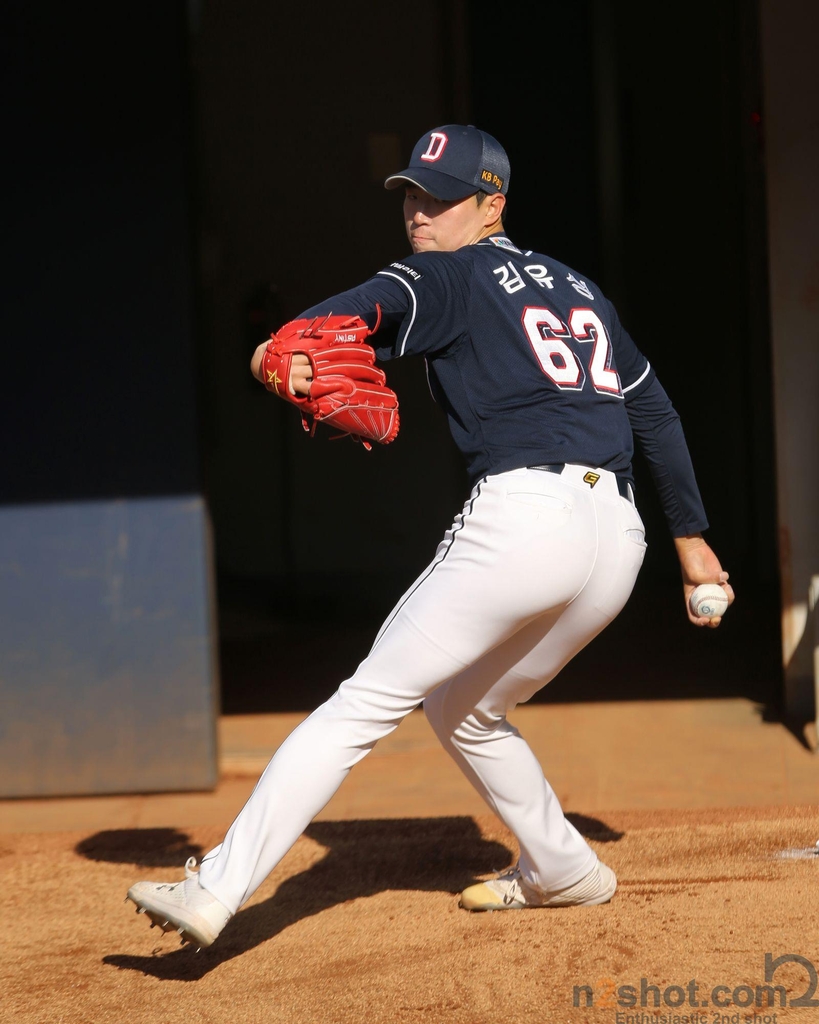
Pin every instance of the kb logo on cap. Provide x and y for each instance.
(436, 147)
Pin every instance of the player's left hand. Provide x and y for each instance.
(301, 375)
(699, 565)
(301, 371)
(325, 366)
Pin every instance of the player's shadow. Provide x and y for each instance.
(147, 847)
(594, 829)
(363, 858)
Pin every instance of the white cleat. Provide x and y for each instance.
(184, 907)
(510, 892)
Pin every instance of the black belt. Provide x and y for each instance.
(624, 485)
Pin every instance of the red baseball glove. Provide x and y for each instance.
(348, 390)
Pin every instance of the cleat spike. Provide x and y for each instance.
(140, 910)
(153, 924)
(166, 926)
(182, 942)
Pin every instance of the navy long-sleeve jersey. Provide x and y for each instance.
(531, 364)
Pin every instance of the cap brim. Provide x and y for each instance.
(441, 186)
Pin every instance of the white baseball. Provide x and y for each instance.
(710, 600)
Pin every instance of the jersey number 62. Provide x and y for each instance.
(548, 336)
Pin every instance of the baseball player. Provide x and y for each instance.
(544, 390)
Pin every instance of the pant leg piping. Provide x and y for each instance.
(432, 568)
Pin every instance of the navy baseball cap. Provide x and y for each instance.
(455, 161)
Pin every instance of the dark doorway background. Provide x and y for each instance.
(181, 193)
(634, 161)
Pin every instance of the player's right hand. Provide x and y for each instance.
(699, 565)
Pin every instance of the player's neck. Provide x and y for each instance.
(490, 229)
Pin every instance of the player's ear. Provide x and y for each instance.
(492, 208)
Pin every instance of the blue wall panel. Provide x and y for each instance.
(108, 668)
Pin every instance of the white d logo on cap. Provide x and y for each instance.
(436, 147)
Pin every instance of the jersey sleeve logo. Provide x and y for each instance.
(436, 147)
(414, 274)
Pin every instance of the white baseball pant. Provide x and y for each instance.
(533, 568)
